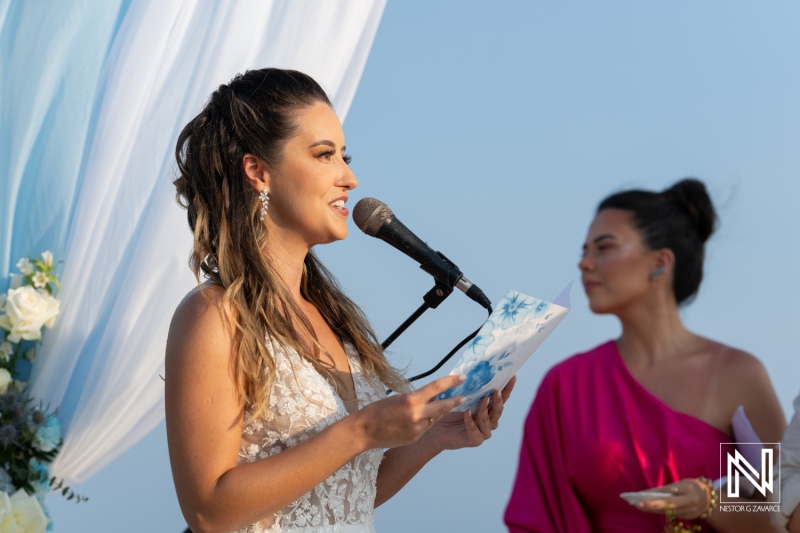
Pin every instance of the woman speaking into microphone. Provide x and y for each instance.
(276, 412)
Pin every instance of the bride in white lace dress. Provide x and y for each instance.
(277, 418)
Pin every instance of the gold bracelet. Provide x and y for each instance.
(712, 492)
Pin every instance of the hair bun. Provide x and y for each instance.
(691, 195)
(221, 98)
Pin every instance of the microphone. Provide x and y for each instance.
(375, 219)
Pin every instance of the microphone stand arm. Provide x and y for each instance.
(432, 299)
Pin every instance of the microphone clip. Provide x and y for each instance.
(448, 276)
(437, 295)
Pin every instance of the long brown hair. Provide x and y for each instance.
(254, 114)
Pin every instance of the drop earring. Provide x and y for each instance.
(657, 272)
(264, 197)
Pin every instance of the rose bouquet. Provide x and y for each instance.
(30, 434)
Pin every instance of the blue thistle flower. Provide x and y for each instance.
(14, 414)
(8, 434)
(10, 399)
(37, 418)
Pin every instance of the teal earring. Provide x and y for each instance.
(660, 270)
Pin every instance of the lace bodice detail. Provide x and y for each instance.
(302, 402)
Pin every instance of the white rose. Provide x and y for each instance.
(27, 311)
(21, 513)
(25, 266)
(5, 380)
(47, 258)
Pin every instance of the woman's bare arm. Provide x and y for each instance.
(204, 424)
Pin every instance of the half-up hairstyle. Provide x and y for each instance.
(680, 218)
(255, 113)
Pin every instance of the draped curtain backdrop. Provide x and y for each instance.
(93, 94)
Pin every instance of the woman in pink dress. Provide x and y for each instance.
(650, 411)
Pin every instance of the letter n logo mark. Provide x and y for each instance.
(759, 476)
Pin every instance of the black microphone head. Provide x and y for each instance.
(370, 214)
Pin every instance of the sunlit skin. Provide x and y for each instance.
(616, 267)
(306, 187)
(204, 410)
(311, 175)
(689, 373)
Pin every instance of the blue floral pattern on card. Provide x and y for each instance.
(507, 339)
(477, 347)
(513, 310)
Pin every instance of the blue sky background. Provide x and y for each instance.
(492, 131)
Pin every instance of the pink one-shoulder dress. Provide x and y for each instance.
(594, 432)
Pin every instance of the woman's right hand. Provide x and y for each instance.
(403, 418)
(688, 499)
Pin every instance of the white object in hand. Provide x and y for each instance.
(644, 496)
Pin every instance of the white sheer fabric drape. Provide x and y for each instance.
(124, 241)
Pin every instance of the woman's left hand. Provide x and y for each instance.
(688, 499)
(465, 430)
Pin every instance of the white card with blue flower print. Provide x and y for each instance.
(516, 328)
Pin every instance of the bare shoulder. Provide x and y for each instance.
(199, 304)
(198, 319)
(740, 364)
(199, 343)
(744, 380)
(199, 377)
(740, 367)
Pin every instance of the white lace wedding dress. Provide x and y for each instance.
(301, 404)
